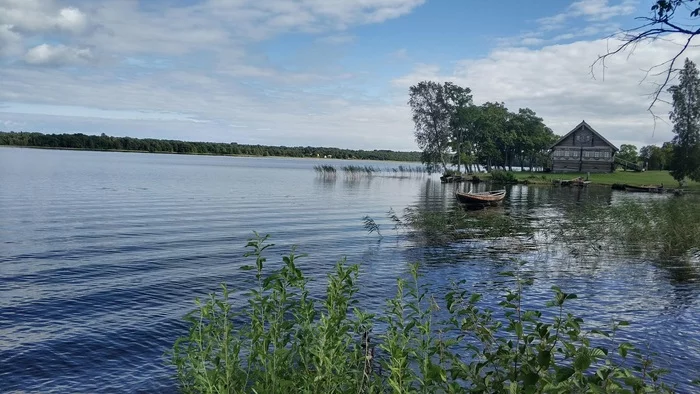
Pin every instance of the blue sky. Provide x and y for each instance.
(314, 72)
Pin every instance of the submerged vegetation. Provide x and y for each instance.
(284, 340)
(663, 227)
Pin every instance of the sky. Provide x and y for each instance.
(318, 72)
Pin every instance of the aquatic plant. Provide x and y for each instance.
(283, 340)
(666, 227)
(360, 170)
(325, 169)
(371, 226)
(445, 226)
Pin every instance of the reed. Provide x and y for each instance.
(283, 340)
(354, 170)
(325, 169)
(665, 227)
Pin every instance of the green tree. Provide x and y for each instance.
(686, 124)
(459, 100)
(628, 153)
(432, 115)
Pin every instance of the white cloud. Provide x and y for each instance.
(36, 16)
(596, 16)
(58, 55)
(590, 10)
(556, 82)
(10, 41)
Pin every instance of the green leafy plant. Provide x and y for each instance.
(283, 340)
(502, 176)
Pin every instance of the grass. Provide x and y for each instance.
(285, 340)
(618, 177)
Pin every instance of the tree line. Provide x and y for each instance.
(680, 156)
(105, 142)
(451, 129)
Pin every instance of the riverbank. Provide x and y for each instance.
(607, 179)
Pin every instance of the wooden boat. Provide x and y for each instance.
(645, 188)
(492, 198)
(572, 182)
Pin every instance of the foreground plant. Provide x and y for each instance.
(284, 341)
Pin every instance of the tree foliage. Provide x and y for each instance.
(628, 153)
(656, 158)
(104, 142)
(448, 122)
(432, 116)
(686, 124)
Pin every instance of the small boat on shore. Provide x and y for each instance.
(580, 182)
(492, 198)
(645, 188)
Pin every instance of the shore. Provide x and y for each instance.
(195, 153)
(608, 179)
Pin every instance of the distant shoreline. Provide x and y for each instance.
(196, 154)
(105, 143)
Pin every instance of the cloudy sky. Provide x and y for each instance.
(316, 72)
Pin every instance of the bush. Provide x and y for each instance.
(283, 341)
(502, 176)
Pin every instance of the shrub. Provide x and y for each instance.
(502, 176)
(283, 341)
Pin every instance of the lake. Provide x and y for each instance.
(102, 253)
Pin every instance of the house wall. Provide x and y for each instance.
(582, 151)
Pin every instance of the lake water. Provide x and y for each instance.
(101, 254)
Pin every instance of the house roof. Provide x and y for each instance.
(583, 123)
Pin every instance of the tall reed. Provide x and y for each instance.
(325, 169)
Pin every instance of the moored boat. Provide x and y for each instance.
(492, 198)
(645, 188)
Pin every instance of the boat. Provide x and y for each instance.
(492, 198)
(580, 182)
(645, 188)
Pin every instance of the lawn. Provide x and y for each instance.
(621, 177)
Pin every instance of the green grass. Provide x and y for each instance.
(621, 177)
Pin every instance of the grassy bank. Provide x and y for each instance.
(621, 177)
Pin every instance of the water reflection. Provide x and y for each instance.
(660, 296)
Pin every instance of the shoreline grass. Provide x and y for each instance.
(607, 179)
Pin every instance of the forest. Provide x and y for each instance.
(105, 142)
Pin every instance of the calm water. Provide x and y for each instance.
(101, 254)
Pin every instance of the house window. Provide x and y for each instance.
(586, 153)
(567, 153)
(575, 153)
(597, 154)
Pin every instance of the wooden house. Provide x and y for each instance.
(582, 150)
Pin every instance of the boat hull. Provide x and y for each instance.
(481, 199)
(644, 189)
